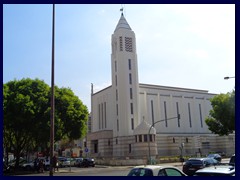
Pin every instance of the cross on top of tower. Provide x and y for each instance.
(121, 10)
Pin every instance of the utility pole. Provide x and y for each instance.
(52, 98)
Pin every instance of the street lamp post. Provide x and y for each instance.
(52, 99)
(149, 151)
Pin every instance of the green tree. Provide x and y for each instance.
(27, 108)
(24, 103)
(72, 113)
(222, 116)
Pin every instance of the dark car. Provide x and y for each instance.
(78, 162)
(215, 156)
(232, 160)
(87, 162)
(194, 164)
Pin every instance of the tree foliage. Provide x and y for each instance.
(26, 107)
(222, 116)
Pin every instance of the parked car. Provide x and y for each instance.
(28, 166)
(219, 170)
(232, 160)
(215, 156)
(78, 161)
(11, 164)
(63, 162)
(221, 153)
(194, 164)
(155, 170)
(87, 162)
(72, 161)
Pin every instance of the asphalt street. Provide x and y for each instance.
(100, 170)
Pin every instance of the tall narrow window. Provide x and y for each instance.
(145, 137)
(131, 108)
(116, 80)
(99, 116)
(117, 125)
(116, 141)
(132, 123)
(105, 114)
(178, 113)
(165, 112)
(130, 93)
(116, 95)
(95, 148)
(102, 114)
(129, 64)
(135, 138)
(115, 63)
(130, 78)
(152, 112)
(189, 115)
(117, 109)
(150, 137)
(121, 43)
(129, 148)
(140, 138)
(200, 112)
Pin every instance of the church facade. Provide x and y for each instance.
(130, 120)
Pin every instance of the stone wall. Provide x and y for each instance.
(121, 162)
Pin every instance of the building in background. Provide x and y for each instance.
(123, 113)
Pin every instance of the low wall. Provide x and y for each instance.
(121, 162)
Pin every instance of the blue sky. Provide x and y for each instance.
(189, 46)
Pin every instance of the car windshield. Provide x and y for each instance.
(140, 172)
(194, 162)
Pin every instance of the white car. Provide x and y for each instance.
(219, 170)
(155, 170)
(63, 162)
(28, 166)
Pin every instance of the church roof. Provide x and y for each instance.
(143, 128)
(122, 23)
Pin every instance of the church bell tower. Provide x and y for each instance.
(125, 83)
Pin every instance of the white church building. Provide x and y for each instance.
(123, 113)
